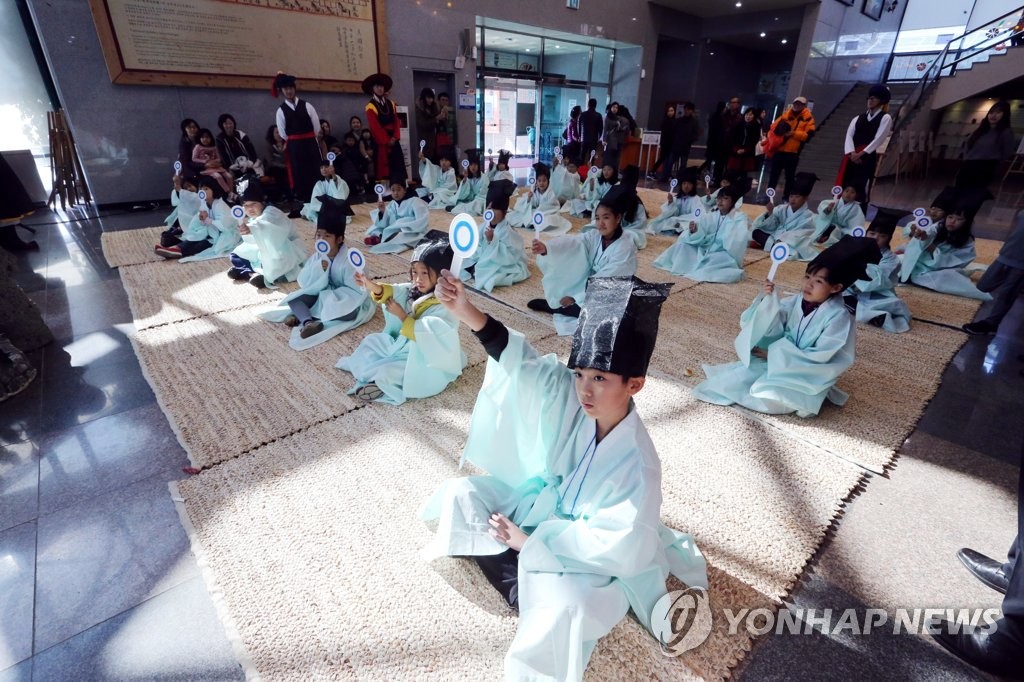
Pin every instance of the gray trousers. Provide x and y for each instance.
(1005, 284)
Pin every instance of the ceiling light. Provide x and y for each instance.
(763, 34)
(739, 4)
(784, 41)
(634, 18)
(712, 54)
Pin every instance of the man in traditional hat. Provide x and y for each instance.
(385, 127)
(299, 125)
(866, 133)
(567, 522)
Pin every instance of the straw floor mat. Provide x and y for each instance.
(707, 321)
(312, 542)
(131, 247)
(925, 304)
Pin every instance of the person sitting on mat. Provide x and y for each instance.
(211, 233)
(593, 190)
(935, 258)
(472, 195)
(500, 260)
(541, 198)
(329, 185)
(184, 206)
(568, 261)
(329, 301)
(565, 179)
(418, 353)
(634, 214)
(837, 217)
(566, 524)
(791, 353)
(873, 299)
(675, 212)
(792, 223)
(712, 247)
(400, 225)
(271, 250)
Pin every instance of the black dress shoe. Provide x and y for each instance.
(993, 653)
(540, 305)
(988, 571)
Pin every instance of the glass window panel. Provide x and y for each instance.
(511, 51)
(570, 60)
(601, 72)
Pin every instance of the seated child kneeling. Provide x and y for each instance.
(792, 352)
(211, 232)
(400, 224)
(271, 249)
(873, 299)
(329, 300)
(792, 223)
(567, 523)
(500, 260)
(418, 353)
(837, 217)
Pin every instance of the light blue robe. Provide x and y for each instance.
(338, 295)
(845, 216)
(401, 227)
(675, 215)
(711, 200)
(876, 295)
(714, 253)
(401, 367)
(806, 356)
(590, 195)
(572, 259)
(335, 188)
(472, 196)
(942, 269)
(596, 545)
(794, 228)
(273, 247)
(546, 202)
(221, 229)
(185, 206)
(499, 262)
(442, 184)
(635, 229)
(565, 185)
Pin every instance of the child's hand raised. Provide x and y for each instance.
(769, 287)
(539, 248)
(451, 292)
(693, 227)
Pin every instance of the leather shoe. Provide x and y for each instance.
(992, 653)
(988, 571)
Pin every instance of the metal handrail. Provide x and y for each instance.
(940, 65)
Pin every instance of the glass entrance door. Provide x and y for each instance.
(510, 111)
(556, 103)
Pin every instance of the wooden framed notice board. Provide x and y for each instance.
(329, 45)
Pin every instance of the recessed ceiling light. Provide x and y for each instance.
(634, 18)
(763, 34)
(712, 54)
(739, 4)
(784, 41)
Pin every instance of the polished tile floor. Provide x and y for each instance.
(97, 581)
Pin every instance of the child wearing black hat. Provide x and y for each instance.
(634, 215)
(472, 195)
(270, 250)
(568, 261)
(400, 224)
(565, 180)
(418, 353)
(329, 301)
(329, 186)
(837, 217)
(711, 248)
(792, 352)
(499, 169)
(594, 188)
(566, 522)
(500, 260)
(439, 183)
(540, 197)
(792, 223)
(679, 205)
(936, 258)
(873, 299)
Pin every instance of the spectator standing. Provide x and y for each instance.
(714, 143)
(428, 115)
(686, 133)
(299, 125)
(447, 126)
(795, 126)
(991, 143)
(385, 129)
(743, 144)
(573, 134)
(592, 126)
(865, 134)
(731, 118)
(668, 129)
(616, 128)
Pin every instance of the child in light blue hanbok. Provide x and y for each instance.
(837, 217)
(568, 261)
(539, 198)
(331, 186)
(873, 299)
(634, 214)
(439, 183)
(211, 232)
(329, 301)
(676, 211)
(270, 250)
(712, 247)
(792, 352)
(500, 260)
(935, 257)
(565, 180)
(792, 223)
(184, 205)
(472, 195)
(499, 170)
(400, 224)
(594, 188)
(418, 353)
(566, 522)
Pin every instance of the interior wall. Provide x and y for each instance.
(127, 134)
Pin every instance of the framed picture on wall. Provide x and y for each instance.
(873, 8)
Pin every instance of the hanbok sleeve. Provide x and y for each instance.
(880, 278)
(430, 174)
(736, 235)
(565, 267)
(818, 364)
(760, 325)
(945, 257)
(768, 223)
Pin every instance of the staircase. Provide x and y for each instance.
(989, 71)
(823, 153)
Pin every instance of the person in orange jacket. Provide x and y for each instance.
(795, 126)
